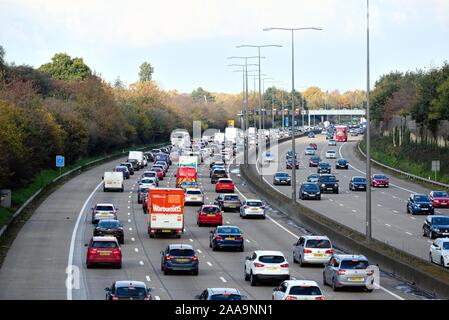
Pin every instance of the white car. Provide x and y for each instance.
(268, 157)
(266, 265)
(298, 290)
(309, 151)
(331, 154)
(193, 195)
(312, 250)
(103, 211)
(439, 252)
(147, 180)
(252, 207)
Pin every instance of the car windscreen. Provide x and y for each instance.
(104, 244)
(219, 172)
(440, 221)
(324, 165)
(315, 158)
(131, 292)
(440, 194)
(232, 198)
(108, 224)
(328, 179)
(225, 297)
(104, 208)
(310, 149)
(156, 169)
(143, 189)
(121, 168)
(211, 210)
(149, 174)
(354, 264)
(446, 245)
(361, 180)
(225, 181)
(422, 198)
(193, 192)
(305, 291)
(311, 187)
(318, 244)
(342, 161)
(254, 204)
(271, 259)
(182, 252)
(380, 177)
(228, 230)
(282, 175)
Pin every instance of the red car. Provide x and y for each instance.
(379, 180)
(160, 173)
(440, 199)
(224, 185)
(313, 145)
(210, 215)
(104, 250)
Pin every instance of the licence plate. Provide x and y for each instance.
(355, 279)
(182, 260)
(194, 198)
(330, 189)
(105, 253)
(211, 215)
(312, 195)
(424, 208)
(318, 255)
(232, 207)
(166, 231)
(272, 268)
(229, 238)
(254, 209)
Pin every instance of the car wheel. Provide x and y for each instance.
(166, 272)
(294, 258)
(263, 217)
(214, 248)
(334, 286)
(442, 261)
(336, 191)
(122, 240)
(369, 289)
(88, 265)
(408, 211)
(430, 257)
(431, 235)
(178, 236)
(242, 248)
(151, 235)
(119, 266)
(424, 233)
(195, 273)
(246, 275)
(252, 280)
(300, 262)
(324, 280)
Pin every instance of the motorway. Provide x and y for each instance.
(35, 267)
(390, 222)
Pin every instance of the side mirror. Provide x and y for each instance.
(275, 289)
(149, 290)
(107, 289)
(211, 232)
(248, 258)
(437, 248)
(197, 297)
(86, 245)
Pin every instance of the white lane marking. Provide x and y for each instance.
(130, 192)
(209, 264)
(129, 207)
(72, 240)
(393, 294)
(341, 204)
(379, 205)
(199, 250)
(223, 279)
(133, 239)
(157, 298)
(129, 201)
(130, 229)
(248, 241)
(129, 220)
(136, 249)
(141, 263)
(129, 213)
(353, 210)
(413, 218)
(227, 222)
(331, 200)
(388, 225)
(130, 197)
(191, 240)
(148, 278)
(395, 211)
(410, 234)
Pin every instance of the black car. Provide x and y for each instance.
(314, 161)
(149, 155)
(128, 290)
(110, 227)
(135, 164)
(357, 183)
(324, 167)
(436, 227)
(217, 174)
(179, 257)
(342, 164)
(282, 178)
(309, 191)
(328, 183)
(129, 166)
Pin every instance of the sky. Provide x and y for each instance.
(188, 41)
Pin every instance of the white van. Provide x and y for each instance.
(113, 181)
(138, 155)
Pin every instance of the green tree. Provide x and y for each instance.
(202, 95)
(63, 67)
(146, 72)
(439, 109)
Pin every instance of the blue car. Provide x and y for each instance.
(226, 237)
(420, 204)
(179, 257)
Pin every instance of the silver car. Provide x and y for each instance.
(348, 271)
(252, 208)
(312, 250)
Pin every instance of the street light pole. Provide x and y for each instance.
(368, 132)
(293, 102)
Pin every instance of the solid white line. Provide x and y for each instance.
(393, 294)
(388, 225)
(148, 278)
(72, 241)
(223, 279)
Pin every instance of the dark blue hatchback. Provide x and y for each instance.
(179, 257)
(226, 237)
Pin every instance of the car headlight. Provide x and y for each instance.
(323, 185)
(417, 206)
(436, 230)
(446, 256)
(335, 185)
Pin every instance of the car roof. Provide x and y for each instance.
(220, 179)
(310, 237)
(269, 253)
(104, 239)
(180, 246)
(210, 206)
(229, 194)
(126, 283)
(193, 189)
(223, 290)
(438, 216)
(247, 200)
(358, 177)
(109, 220)
(351, 257)
(104, 204)
(282, 172)
(226, 226)
(308, 283)
(331, 151)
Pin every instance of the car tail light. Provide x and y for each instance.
(370, 272)
(284, 265)
(341, 272)
(330, 251)
(219, 238)
(320, 298)
(291, 298)
(114, 298)
(259, 265)
(92, 251)
(239, 238)
(307, 251)
(147, 298)
(245, 207)
(195, 258)
(168, 257)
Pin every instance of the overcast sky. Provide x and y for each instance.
(187, 41)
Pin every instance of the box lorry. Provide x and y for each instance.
(188, 161)
(113, 181)
(165, 212)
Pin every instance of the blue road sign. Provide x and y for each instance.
(60, 161)
(286, 122)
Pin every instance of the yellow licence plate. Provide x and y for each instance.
(166, 231)
(272, 268)
(253, 209)
(232, 207)
(229, 238)
(356, 279)
(182, 260)
(105, 253)
(318, 255)
(211, 215)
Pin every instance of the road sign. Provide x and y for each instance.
(60, 161)
(286, 122)
(231, 123)
(436, 165)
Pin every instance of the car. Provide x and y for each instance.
(159, 172)
(311, 135)
(104, 251)
(331, 154)
(439, 252)
(328, 182)
(323, 167)
(312, 250)
(221, 294)
(314, 161)
(309, 151)
(330, 136)
(124, 170)
(289, 154)
(313, 145)
(379, 180)
(151, 174)
(110, 227)
(128, 290)
(268, 157)
(348, 271)
(209, 215)
(224, 185)
(298, 290)
(135, 164)
(282, 178)
(332, 142)
(142, 192)
(419, 203)
(440, 199)
(217, 174)
(193, 196)
(217, 166)
(147, 181)
(130, 167)
(313, 178)
(226, 237)
(163, 164)
(217, 163)
(309, 191)
(252, 207)
(179, 257)
(149, 155)
(436, 226)
(228, 201)
(357, 183)
(266, 265)
(186, 184)
(342, 164)
(103, 211)
(354, 131)
(155, 166)
(290, 162)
